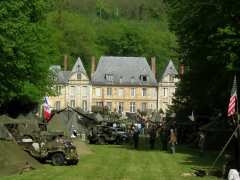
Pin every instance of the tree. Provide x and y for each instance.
(208, 35)
(127, 38)
(25, 52)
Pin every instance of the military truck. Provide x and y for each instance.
(103, 134)
(45, 146)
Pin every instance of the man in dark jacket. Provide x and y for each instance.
(152, 134)
(135, 136)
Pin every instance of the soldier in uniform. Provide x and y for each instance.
(163, 138)
(135, 136)
(172, 141)
(152, 134)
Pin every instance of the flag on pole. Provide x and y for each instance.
(46, 109)
(233, 99)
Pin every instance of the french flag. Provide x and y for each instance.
(47, 110)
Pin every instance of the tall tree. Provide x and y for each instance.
(25, 51)
(209, 39)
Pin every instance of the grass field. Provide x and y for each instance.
(110, 162)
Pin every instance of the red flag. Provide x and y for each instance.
(233, 99)
(47, 110)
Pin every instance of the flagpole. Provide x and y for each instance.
(238, 131)
(238, 134)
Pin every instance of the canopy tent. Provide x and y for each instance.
(13, 159)
(70, 119)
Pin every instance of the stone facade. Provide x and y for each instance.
(73, 88)
(125, 98)
(124, 84)
(167, 86)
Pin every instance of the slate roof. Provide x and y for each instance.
(170, 69)
(62, 77)
(124, 71)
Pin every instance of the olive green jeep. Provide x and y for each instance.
(45, 146)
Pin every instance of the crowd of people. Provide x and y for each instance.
(155, 133)
(160, 135)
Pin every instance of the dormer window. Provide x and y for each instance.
(109, 77)
(143, 78)
(132, 79)
(121, 79)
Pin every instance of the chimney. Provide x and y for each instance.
(93, 65)
(65, 62)
(181, 69)
(153, 65)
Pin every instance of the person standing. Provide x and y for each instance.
(163, 138)
(152, 134)
(201, 142)
(172, 141)
(135, 136)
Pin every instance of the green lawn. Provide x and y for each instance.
(122, 162)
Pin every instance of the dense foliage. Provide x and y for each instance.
(209, 40)
(38, 33)
(25, 51)
(87, 28)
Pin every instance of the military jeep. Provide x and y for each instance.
(103, 134)
(45, 146)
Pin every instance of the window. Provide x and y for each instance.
(120, 107)
(143, 78)
(84, 90)
(84, 105)
(144, 91)
(109, 77)
(154, 92)
(151, 106)
(132, 107)
(98, 91)
(173, 91)
(120, 92)
(72, 103)
(171, 78)
(165, 91)
(100, 104)
(58, 105)
(144, 106)
(78, 68)
(72, 90)
(78, 76)
(133, 92)
(59, 89)
(109, 105)
(109, 91)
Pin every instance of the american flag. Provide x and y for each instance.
(233, 99)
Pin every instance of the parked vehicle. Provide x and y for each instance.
(45, 146)
(103, 134)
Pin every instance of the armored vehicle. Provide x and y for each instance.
(103, 134)
(45, 146)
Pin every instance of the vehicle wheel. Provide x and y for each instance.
(42, 160)
(119, 141)
(101, 140)
(57, 159)
(73, 162)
